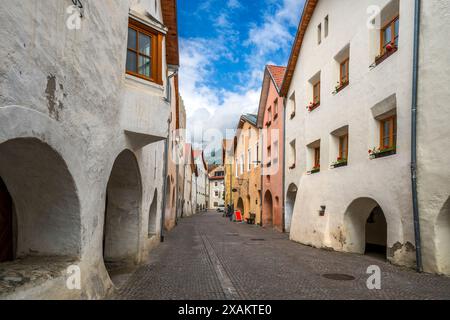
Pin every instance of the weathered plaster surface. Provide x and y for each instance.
(79, 105)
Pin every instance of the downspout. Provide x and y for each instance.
(166, 155)
(419, 265)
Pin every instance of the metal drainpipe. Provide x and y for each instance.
(417, 12)
(166, 154)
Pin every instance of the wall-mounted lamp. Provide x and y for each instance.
(322, 210)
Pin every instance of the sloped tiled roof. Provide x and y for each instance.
(277, 74)
(308, 11)
(250, 118)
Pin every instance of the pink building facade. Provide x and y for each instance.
(271, 120)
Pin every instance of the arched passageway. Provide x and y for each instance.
(443, 238)
(6, 224)
(366, 228)
(121, 228)
(240, 206)
(152, 216)
(268, 210)
(291, 196)
(248, 206)
(40, 209)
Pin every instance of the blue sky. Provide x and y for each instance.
(224, 46)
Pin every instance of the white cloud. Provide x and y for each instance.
(209, 107)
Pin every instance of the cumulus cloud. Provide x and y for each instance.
(208, 105)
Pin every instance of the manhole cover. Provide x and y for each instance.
(258, 239)
(339, 277)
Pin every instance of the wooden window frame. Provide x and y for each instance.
(317, 157)
(393, 37)
(344, 76)
(343, 156)
(156, 51)
(316, 102)
(392, 133)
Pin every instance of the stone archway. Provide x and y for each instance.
(248, 206)
(365, 228)
(291, 196)
(268, 210)
(6, 224)
(443, 239)
(121, 227)
(44, 203)
(240, 206)
(152, 216)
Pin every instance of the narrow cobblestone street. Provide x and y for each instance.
(207, 257)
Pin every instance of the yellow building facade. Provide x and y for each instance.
(246, 175)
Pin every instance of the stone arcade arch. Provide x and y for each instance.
(121, 228)
(43, 197)
(240, 206)
(268, 210)
(152, 216)
(365, 227)
(443, 238)
(291, 196)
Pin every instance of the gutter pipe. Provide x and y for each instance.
(417, 12)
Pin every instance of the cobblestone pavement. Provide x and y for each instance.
(208, 257)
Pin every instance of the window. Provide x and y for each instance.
(144, 52)
(316, 94)
(216, 194)
(275, 152)
(216, 184)
(326, 25)
(343, 147)
(257, 153)
(275, 107)
(249, 166)
(269, 116)
(388, 133)
(293, 155)
(293, 105)
(242, 163)
(319, 34)
(344, 72)
(317, 158)
(390, 35)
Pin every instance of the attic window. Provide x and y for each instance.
(144, 52)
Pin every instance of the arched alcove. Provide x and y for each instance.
(443, 238)
(121, 228)
(365, 227)
(291, 196)
(152, 216)
(43, 200)
(268, 210)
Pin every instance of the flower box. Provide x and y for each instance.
(313, 106)
(390, 50)
(339, 163)
(340, 87)
(314, 170)
(377, 153)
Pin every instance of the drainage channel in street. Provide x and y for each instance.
(338, 277)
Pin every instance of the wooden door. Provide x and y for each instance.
(6, 224)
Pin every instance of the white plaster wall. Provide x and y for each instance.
(212, 195)
(385, 180)
(433, 136)
(72, 92)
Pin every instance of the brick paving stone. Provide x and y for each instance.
(183, 267)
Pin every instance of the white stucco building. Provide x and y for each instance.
(217, 188)
(84, 110)
(349, 91)
(202, 185)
